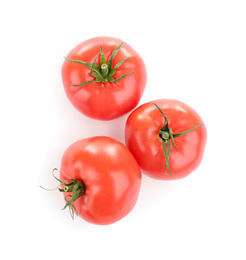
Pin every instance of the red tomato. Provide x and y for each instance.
(158, 157)
(115, 84)
(105, 178)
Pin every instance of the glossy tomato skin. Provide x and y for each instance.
(104, 101)
(142, 138)
(111, 176)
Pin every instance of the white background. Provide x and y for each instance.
(194, 51)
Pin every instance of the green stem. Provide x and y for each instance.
(104, 70)
(164, 135)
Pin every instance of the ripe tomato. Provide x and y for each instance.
(156, 134)
(104, 78)
(102, 180)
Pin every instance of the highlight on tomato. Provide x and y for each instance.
(104, 77)
(100, 180)
(167, 138)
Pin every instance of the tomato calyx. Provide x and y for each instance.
(167, 136)
(71, 185)
(105, 71)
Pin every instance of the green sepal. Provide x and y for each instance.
(166, 145)
(84, 83)
(111, 79)
(96, 68)
(93, 64)
(168, 156)
(99, 76)
(102, 59)
(165, 127)
(97, 80)
(111, 73)
(109, 65)
(94, 74)
(116, 50)
(121, 62)
(172, 137)
(186, 132)
(88, 65)
(116, 80)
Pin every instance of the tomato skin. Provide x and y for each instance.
(104, 101)
(142, 138)
(111, 176)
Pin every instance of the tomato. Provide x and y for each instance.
(167, 138)
(104, 78)
(102, 180)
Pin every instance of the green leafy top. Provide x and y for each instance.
(166, 135)
(105, 71)
(76, 187)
